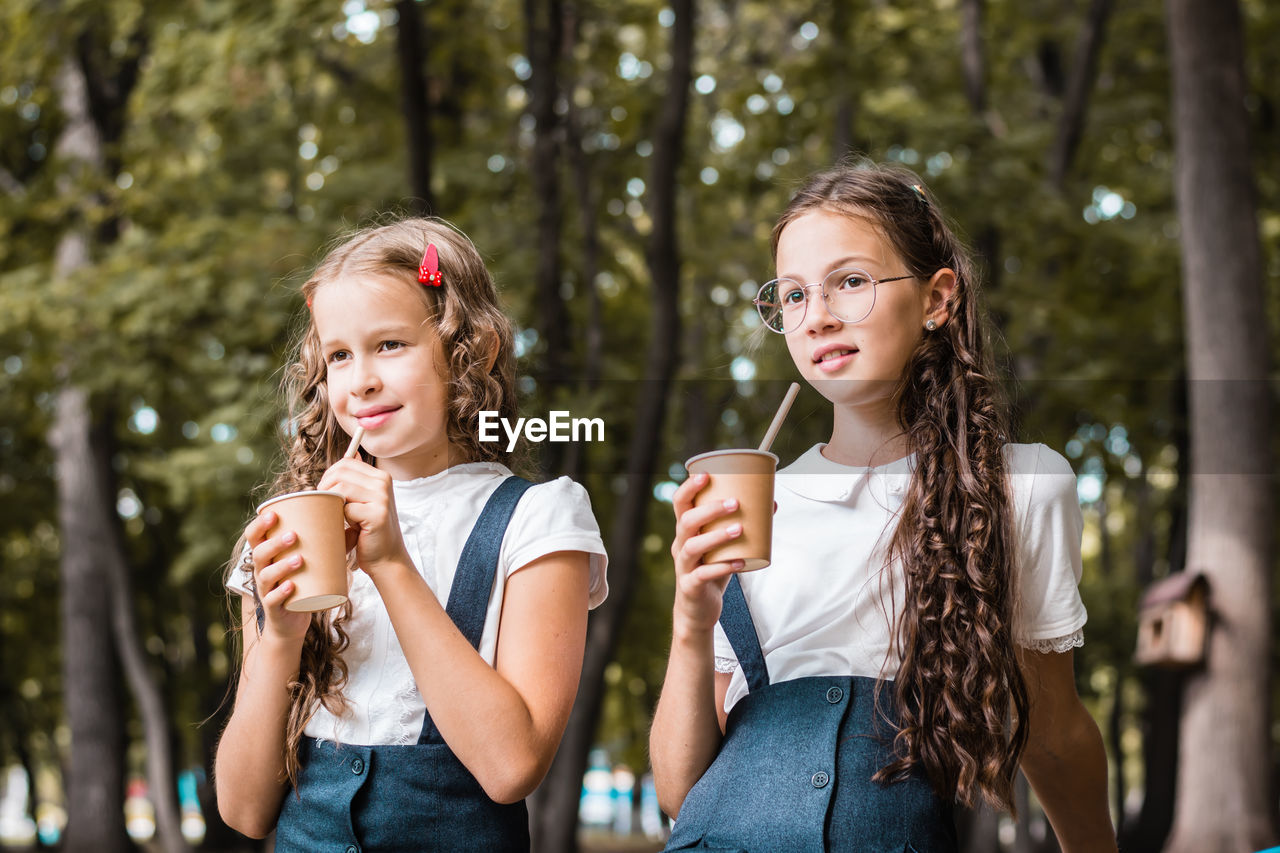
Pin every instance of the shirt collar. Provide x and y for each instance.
(816, 477)
(408, 492)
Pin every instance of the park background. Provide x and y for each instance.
(169, 172)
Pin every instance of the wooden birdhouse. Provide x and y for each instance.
(1173, 622)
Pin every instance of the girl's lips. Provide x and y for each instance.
(375, 420)
(831, 365)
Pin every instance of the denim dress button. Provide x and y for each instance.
(351, 848)
(357, 767)
(820, 779)
(834, 695)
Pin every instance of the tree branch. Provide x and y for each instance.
(1074, 108)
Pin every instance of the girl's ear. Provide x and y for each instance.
(937, 297)
(492, 344)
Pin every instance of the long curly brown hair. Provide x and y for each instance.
(471, 330)
(959, 694)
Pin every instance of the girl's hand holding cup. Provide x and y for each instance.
(743, 475)
(272, 576)
(700, 588)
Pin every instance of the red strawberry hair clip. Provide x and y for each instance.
(429, 269)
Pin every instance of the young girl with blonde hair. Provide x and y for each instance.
(420, 714)
(911, 644)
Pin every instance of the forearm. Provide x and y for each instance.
(482, 716)
(1067, 768)
(249, 770)
(686, 732)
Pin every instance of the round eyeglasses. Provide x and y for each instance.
(850, 294)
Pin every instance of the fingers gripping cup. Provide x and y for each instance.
(317, 519)
(746, 475)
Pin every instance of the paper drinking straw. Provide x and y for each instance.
(782, 413)
(354, 447)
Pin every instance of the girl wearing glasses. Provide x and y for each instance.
(911, 644)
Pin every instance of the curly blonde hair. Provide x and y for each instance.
(476, 339)
(959, 691)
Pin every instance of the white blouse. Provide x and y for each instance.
(436, 515)
(825, 604)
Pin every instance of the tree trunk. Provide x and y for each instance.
(215, 708)
(978, 829)
(1224, 801)
(415, 106)
(1162, 688)
(1148, 831)
(91, 684)
(843, 75)
(97, 628)
(580, 166)
(971, 55)
(1022, 799)
(94, 777)
(555, 822)
(1107, 568)
(544, 20)
(133, 657)
(574, 465)
(1075, 107)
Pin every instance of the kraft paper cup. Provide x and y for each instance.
(748, 476)
(316, 517)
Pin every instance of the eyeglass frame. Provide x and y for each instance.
(823, 291)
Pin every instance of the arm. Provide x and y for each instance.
(1064, 760)
(689, 722)
(688, 725)
(249, 772)
(504, 722)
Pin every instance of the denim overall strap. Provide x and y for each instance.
(735, 619)
(473, 579)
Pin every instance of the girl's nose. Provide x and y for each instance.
(367, 379)
(817, 314)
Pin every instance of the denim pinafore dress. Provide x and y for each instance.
(419, 797)
(794, 772)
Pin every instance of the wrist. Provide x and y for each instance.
(691, 637)
(390, 569)
(280, 647)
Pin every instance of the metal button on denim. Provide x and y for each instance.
(834, 695)
(357, 766)
(820, 779)
(351, 848)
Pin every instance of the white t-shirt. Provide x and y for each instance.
(825, 605)
(436, 515)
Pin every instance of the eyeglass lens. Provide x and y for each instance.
(849, 292)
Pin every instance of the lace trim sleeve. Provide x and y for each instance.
(1057, 645)
(726, 665)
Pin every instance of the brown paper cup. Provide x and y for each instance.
(748, 476)
(318, 520)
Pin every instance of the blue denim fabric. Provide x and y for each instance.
(413, 798)
(793, 774)
(394, 799)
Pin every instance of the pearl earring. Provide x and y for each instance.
(930, 324)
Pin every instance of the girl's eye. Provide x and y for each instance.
(852, 282)
(338, 355)
(792, 295)
(392, 345)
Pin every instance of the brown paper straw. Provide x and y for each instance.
(782, 413)
(354, 447)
